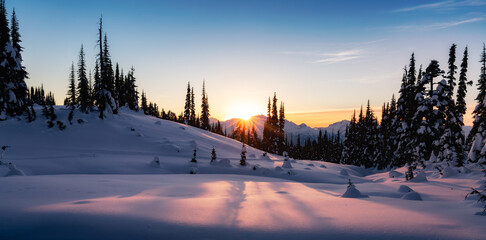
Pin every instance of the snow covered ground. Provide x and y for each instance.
(97, 180)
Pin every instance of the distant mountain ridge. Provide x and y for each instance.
(292, 129)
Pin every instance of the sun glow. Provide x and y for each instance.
(243, 111)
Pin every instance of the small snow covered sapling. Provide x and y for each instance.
(4, 149)
(409, 173)
(350, 184)
(243, 156)
(194, 156)
(286, 163)
(213, 155)
(155, 163)
(481, 194)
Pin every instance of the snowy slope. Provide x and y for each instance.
(95, 181)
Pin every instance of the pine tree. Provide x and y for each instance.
(452, 141)
(213, 155)
(478, 132)
(194, 160)
(204, 109)
(192, 120)
(118, 92)
(13, 90)
(405, 110)
(18, 71)
(72, 100)
(144, 106)
(281, 129)
(187, 106)
(72, 89)
(267, 128)
(131, 95)
(83, 99)
(462, 87)
(427, 121)
(104, 85)
(243, 156)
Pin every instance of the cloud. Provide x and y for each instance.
(437, 26)
(330, 58)
(445, 5)
(424, 6)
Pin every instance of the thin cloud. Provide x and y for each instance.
(451, 4)
(437, 26)
(330, 58)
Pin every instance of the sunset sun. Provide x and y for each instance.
(243, 111)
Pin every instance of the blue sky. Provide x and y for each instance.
(319, 56)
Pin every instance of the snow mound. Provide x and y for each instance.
(193, 170)
(394, 174)
(404, 189)
(13, 170)
(265, 156)
(259, 170)
(344, 172)
(421, 177)
(449, 172)
(464, 170)
(155, 163)
(224, 163)
(412, 196)
(311, 165)
(286, 164)
(323, 166)
(352, 192)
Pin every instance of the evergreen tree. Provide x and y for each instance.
(13, 90)
(72, 100)
(144, 107)
(406, 108)
(104, 85)
(478, 132)
(243, 156)
(18, 72)
(131, 95)
(83, 99)
(213, 155)
(462, 88)
(192, 120)
(204, 109)
(118, 93)
(281, 131)
(187, 106)
(427, 121)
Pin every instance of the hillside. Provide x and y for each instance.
(95, 180)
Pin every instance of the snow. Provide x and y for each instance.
(352, 192)
(100, 180)
(412, 196)
(421, 177)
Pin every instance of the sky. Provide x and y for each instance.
(322, 58)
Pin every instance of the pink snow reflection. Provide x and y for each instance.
(267, 206)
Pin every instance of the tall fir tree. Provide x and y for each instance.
(192, 120)
(204, 109)
(144, 107)
(187, 106)
(19, 73)
(478, 132)
(72, 100)
(83, 99)
(13, 90)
